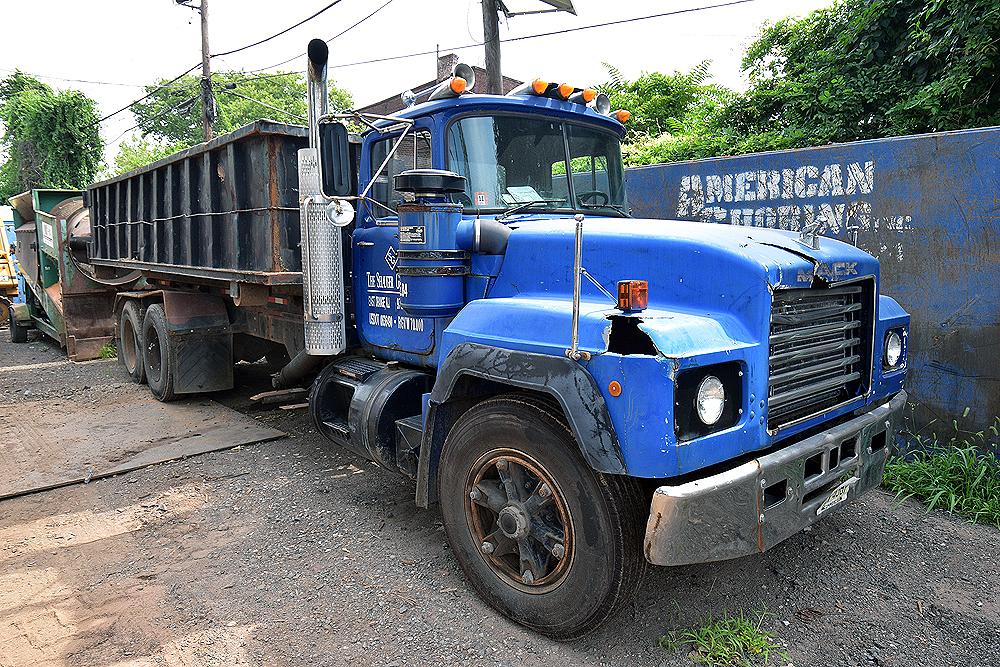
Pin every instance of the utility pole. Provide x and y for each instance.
(207, 98)
(491, 35)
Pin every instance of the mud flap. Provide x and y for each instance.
(199, 328)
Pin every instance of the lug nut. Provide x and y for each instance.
(558, 551)
(502, 464)
(487, 547)
(544, 491)
(475, 494)
(527, 577)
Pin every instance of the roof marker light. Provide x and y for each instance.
(539, 86)
(564, 90)
(585, 96)
(622, 116)
(458, 85)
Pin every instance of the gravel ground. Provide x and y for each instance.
(296, 553)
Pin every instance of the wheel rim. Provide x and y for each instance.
(519, 520)
(129, 345)
(153, 363)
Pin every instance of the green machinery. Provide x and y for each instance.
(66, 298)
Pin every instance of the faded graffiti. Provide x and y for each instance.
(836, 196)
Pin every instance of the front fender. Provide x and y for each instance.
(559, 377)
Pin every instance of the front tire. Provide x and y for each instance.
(158, 354)
(541, 536)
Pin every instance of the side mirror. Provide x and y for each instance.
(335, 159)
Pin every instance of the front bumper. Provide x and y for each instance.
(756, 505)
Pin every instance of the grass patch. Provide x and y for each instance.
(958, 472)
(728, 641)
(109, 351)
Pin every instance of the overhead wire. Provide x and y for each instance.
(523, 37)
(279, 33)
(339, 34)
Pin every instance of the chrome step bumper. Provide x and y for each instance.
(756, 505)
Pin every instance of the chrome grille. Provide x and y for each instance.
(820, 350)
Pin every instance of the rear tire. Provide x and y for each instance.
(158, 354)
(130, 342)
(18, 332)
(565, 542)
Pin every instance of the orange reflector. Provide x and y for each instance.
(538, 87)
(458, 85)
(623, 116)
(614, 388)
(588, 95)
(633, 295)
(564, 90)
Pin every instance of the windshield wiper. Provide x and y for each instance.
(524, 206)
(613, 207)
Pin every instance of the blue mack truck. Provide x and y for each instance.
(580, 392)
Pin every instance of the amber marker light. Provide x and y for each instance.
(615, 388)
(588, 95)
(538, 86)
(564, 90)
(633, 295)
(623, 116)
(458, 85)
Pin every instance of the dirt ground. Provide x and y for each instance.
(296, 553)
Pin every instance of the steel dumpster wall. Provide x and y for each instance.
(927, 206)
(230, 205)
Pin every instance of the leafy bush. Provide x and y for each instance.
(959, 473)
(52, 139)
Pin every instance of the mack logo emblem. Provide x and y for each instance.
(830, 272)
(412, 234)
(390, 257)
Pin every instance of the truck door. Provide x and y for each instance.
(380, 320)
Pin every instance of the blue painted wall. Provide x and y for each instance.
(927, 206)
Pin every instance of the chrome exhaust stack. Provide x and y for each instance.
(322, 257)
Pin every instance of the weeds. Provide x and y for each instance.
(109, 351)
(738, 641)
(958, 472)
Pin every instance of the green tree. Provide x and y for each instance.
(140, 151)
(51, 138)
(172, 116)
(848, 72)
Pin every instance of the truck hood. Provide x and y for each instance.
(715, 277)
(686, 263)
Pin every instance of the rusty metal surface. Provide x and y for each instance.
(223, 210)
(926, 206)
(48, 444)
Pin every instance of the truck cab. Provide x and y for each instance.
(586, 391)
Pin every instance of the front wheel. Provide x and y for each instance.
(543, 538)
(18, 332)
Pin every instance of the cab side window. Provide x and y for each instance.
(413, 153)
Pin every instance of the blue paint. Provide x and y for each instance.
(927, 206)
(709, 302)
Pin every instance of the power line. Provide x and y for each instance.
(525, 37)
(339, 34)
(263, 104)
(158, 115)
(147, 95)
(280, 33)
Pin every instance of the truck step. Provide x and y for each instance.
(358, 368)
(339, 426)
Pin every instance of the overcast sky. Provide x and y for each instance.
(126, 43)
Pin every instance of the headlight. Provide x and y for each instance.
(893, 349)
(710, 399)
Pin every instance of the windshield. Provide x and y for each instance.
(512, 161)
